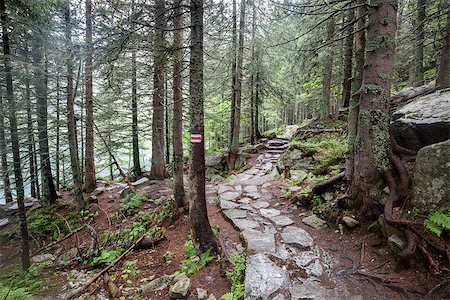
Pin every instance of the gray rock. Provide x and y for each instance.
(269, 212)
(327, 196)
(282, 220)
(215, 161)
(312, 290)
(431, 179)
(211, 297)
(263, 277)
(181, 276)
(396, 242)
(259, 241)
(297, 236)
(4, 222)
(304, 258)
(42, 257)
(201, 293)
(225, 188)
(315, 222)
(156, 284)
(279, 297)
(251, 189)
(68, 256)
(423, 121)
(13, 206)
(229, 196)
(235, 213)
(244, 224)
(140, 182)
(245, 200)
(350, 222)
(224, 204)
(181, 289)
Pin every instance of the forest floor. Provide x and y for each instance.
(362, 263)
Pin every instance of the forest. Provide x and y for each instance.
(225, 149)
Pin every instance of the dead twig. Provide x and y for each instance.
(57, 242)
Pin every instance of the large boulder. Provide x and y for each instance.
(424, 121)
(216, 161)
(431, 181)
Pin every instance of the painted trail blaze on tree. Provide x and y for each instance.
(196, 138)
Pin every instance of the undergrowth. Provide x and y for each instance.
(131, 203)
(236, 276)
(193, 263)
(438, 221)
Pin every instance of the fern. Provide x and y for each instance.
(438, 221)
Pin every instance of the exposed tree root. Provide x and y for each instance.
(437, 287)
(317, 189)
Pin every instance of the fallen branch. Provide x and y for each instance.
(318, 189)
(51, 245)
(80, 290)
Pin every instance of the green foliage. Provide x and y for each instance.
(287, 194)
(131, 203)
(106, 257)
(320, 178)
(216, 200)
(298, 180)
(273, 132)
(236, 276)
(437, 221)
(316, 201)
(214, 149)
(54, 220)
(189, 249)
(194, 264)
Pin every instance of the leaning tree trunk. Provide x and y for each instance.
(3, 153)
(234, 147)
(327, 72)
(348, 61)
(158, 170)
(420, 39)
(202, 234)
(443, 76)
(14, 138)
(356, 86)
(71, 128)
(89, 163)
(371, 155)
(177, 125)
(48, 186)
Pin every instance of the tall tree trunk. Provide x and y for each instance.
(71, 127)
(371, 155)
(177, 124)
(3, 153)
(58, 138)
(167, 120)
(158, 170)
(234, 146)
(134, 111)
(443, 76)
(327, 72)
(89, 163)
(36, 171)
(257, 101)
(420, 39)
(252, 79)
(30, 138)
(48, 186)
(14, 138)
(202, 234)
(356, 93)
(348, 61)
(233, 72)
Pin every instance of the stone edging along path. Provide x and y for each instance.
(283, 261)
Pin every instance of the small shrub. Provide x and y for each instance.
(106, 257)
(437, 221)
(236, 276)
(194, 264)
(131, 203)
(189, 249)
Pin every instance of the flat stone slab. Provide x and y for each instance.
(263, 277)
(315, 222)
(269, 212)
(235, 213)
(282, 220)
(140, 182)
(313, 290)
(244, 224)
(224, 204)
(260, 204)
(4, 222)
(254, 196)
(225, 188)
(297, 236)
(259, 241)
(251, 189)
(229, 196)
(245, 200)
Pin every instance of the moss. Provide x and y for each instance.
(384, 76)
(372, 88)
(386, 20)
(381, 42)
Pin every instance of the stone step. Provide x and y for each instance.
(275, 151)
(277, 142)
(278, 147)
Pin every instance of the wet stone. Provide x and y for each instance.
(224, 204)
(245, 200)
(229, 196)
(315, 222)
(282, 220)
(244, 224)
(235, 213)
(269, 212)
(251, 189)
(225, 188)
(260, 204)
(297, 236)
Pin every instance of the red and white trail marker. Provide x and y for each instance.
(196, 138)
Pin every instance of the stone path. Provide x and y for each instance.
(283, 261)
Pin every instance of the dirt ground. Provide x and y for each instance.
(364, 263)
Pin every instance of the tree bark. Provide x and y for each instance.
(420, 39)
(158, 170)
(327, 72)
(167, 121)
(233, 76)
(30, 138)
(443, 76)
(234, 147)
(372, 140)
(48, 186)
(252, 79)
(71, 129)
(89, 173)
(348, 61)
(3, 153)
(14, 138)
(356, 93)
(177, 125)
(202, 234)
(58, 129)
(134, 111)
